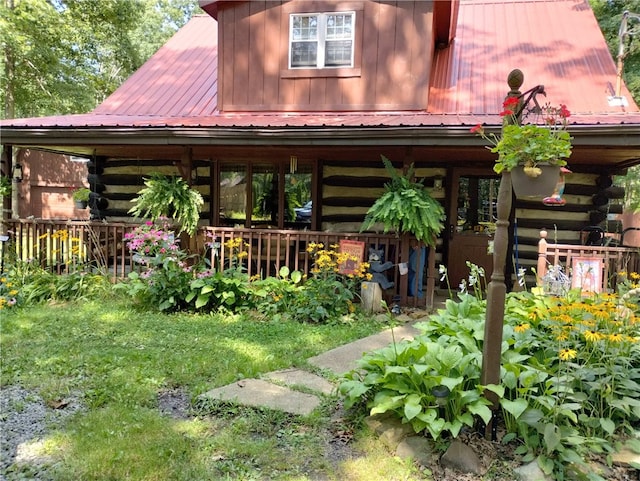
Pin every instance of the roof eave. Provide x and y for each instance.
(620, 134)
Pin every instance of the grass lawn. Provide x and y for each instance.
(116, 361)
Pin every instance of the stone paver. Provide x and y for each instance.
(262, 393)
(298, 377)
(344, 358)
(259, 393)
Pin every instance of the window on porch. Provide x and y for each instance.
(267, 193)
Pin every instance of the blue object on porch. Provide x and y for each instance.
(413, 259)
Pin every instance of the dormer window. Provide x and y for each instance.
(321, 40)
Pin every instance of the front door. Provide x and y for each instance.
(472, 213)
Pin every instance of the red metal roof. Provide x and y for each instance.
(556, 43)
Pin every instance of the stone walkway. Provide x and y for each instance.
(299, 392)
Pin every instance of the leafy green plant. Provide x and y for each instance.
(5, 186)
(81, 194)
(406, 207)
(328, 294)
(405, 377)
(530, 144)
(275, 296)
(169, 197)
(570, 375)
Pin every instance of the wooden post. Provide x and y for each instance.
(371, 295)
(431, 274)
(497, 289)
(541, 268)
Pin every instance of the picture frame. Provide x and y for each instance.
(354, 248)
(586, 274)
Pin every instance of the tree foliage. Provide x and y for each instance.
(609, 15)
(66, 56)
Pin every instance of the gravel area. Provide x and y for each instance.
(25, 419)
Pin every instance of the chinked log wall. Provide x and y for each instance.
(591, 200)
(348, 189)
(116, 182)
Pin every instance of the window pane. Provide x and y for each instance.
(265, 194)
(233, 194)
(477, 203)
(304, 54)
(305, 27)
(338, 53)
(339, 26)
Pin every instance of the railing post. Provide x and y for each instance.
(541, 269)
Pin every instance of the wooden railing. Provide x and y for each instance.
(270, 249)
(569, 256)
(61, 246)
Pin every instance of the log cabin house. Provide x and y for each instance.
(271, 106)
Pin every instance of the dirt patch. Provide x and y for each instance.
(175, 403)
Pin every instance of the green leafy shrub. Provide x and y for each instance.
(570, 376)
(328, 293)
(402, 377)
(172, 281)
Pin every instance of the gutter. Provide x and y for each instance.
(627, 135)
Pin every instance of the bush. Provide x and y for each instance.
(570, 376)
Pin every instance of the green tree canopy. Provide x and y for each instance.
(66, 56)
(609, 15)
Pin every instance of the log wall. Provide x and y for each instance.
(116, 182)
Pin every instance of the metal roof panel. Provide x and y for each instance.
(556, 43)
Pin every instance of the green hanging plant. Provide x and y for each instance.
(171, 197)
(5, 186)
(406, 207)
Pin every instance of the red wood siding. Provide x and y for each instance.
(392, 60)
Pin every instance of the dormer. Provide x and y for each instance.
(327, 55)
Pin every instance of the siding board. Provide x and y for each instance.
(392, 47)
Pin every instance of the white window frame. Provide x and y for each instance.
(322, 39)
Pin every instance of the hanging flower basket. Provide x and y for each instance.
(527, 187)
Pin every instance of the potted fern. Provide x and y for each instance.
(170, 197)
(406, 207)
(81, 197)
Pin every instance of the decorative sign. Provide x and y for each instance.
(356, 250)
(586, 274)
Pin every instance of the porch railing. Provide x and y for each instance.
(611, 259)
(61, 246)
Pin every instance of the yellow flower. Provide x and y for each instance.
(592, 336)
(616, 337)
(562, 336)
(634, 275)
(567, 354)
(13, 292)
(522, 327)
